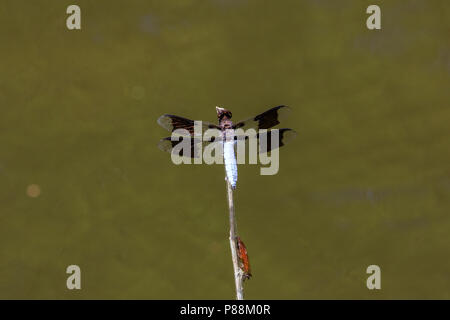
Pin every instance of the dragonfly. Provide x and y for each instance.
(228, 137)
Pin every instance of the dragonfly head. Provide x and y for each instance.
(223, 113)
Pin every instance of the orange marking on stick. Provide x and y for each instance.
(243, 257)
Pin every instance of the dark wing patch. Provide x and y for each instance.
(172, 123)
(265, 120)
(167, 144)
(285, 135)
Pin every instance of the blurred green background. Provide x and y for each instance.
(367, 180)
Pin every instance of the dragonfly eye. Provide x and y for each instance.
(221, 113)
(227, 114)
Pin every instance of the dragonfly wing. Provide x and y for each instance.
(264, 139)
(192, 148)
(265, 120)
(285, 135)
(172, 123)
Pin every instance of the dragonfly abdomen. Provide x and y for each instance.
(230, 162)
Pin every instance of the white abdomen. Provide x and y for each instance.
(230, 162)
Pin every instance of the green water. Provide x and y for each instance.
(366, 181)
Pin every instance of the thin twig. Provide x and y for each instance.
(238, 279)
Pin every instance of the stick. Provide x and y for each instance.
(238, 279)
